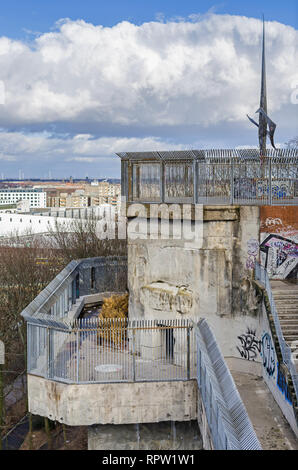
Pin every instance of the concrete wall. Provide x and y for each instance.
(23, 224)
(168, 435)
(113, 403)
(110, 274)
(211, 278)
(276, 375)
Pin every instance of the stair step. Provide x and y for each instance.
(292, 327)
(285, 291)
(285, 297)
(290, 313)
(285, 311)
(287, 317)
(286, 303)
(291, 338)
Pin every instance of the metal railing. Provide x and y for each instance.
(262, 276)
(227, 418)
(78, 279)
(228, 177)
(102, 351)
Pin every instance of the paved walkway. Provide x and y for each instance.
(272, 429)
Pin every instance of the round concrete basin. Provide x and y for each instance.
(108, 368)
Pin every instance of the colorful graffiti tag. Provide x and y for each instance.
(279, 241)
(252, 253)
(251, 348)
(282, 384)
(268, 354)
(280, 256)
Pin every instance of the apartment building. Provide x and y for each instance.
(36, 197)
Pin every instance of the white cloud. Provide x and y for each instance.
(17, 146)
(155, 74)
(156, 81)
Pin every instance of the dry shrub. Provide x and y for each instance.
(113, 314)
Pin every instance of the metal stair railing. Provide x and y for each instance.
(262, 276)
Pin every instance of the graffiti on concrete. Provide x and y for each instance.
(282, 384)
(271, 221)
(280, 256)
(268, 354)
(252, 253)
(250, 346)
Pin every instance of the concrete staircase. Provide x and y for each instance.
(285, 296)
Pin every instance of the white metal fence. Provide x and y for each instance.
(227, 418)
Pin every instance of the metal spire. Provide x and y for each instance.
(264, 120)
(263, 101)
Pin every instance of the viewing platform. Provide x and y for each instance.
(214, 177)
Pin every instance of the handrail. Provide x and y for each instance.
(262, 276)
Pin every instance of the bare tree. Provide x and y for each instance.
(87, 238)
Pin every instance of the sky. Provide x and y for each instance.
(80, 81)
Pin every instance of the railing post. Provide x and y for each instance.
(134, 355)
(78, 355)
(162, 182)
(199, 368)
(188, 353)
(270, 182)
(217, 428)
(48, 353)
(195, 182)
(232, 183)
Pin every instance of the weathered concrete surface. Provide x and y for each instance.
(148, 436)
(272, 429)
(209, 278)
(113, 403)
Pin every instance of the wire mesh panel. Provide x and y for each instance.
(241, 181)
(250, 182)
(284, 183)
(63, 355)
(163, 350)
(37, 349)
(214, 182)
(114, 350)
(146, 182)
(178, 182)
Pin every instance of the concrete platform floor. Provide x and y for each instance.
(271, 427)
